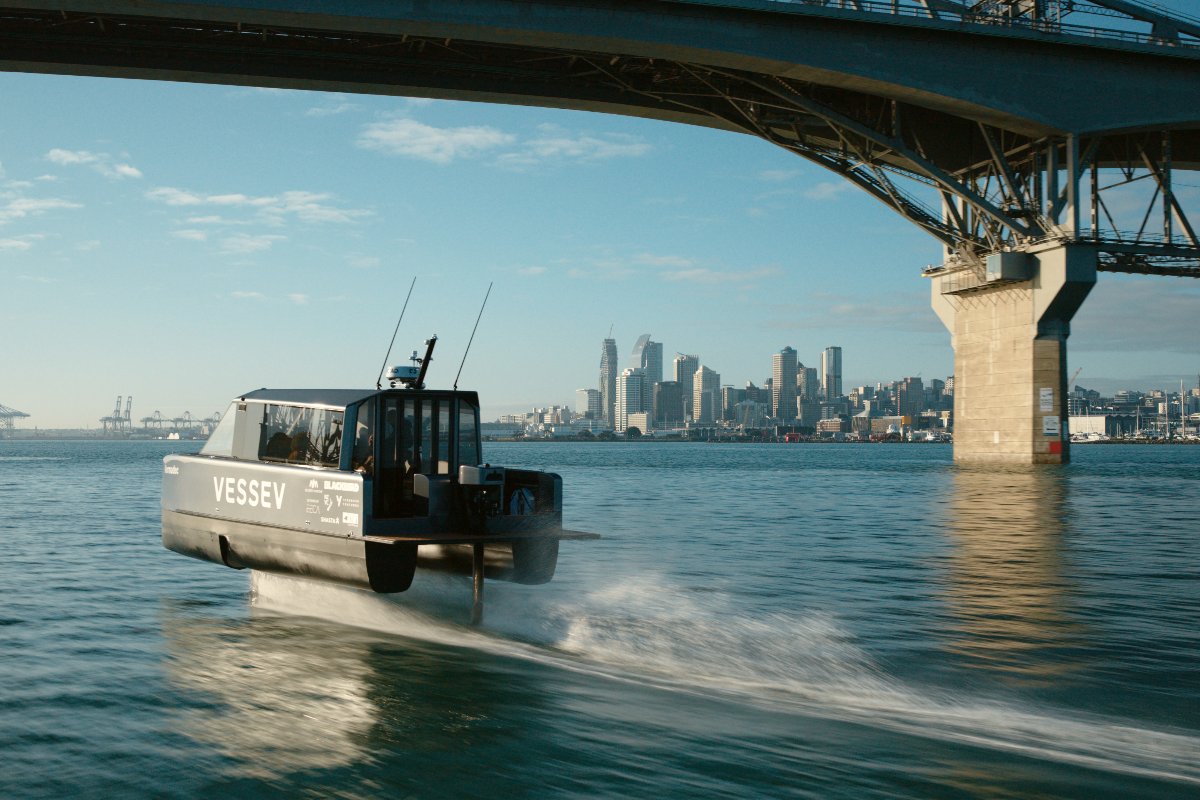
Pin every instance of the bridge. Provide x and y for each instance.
(1038, 141)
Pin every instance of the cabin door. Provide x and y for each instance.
(414, 438)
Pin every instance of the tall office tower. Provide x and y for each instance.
(807, 385)
(831, 373)
(685, 370)
(910, 397)
(668, 405)
(587, 403)
(808, 401)
(628, 397)
(648, 356)
(783, 384)
(608, 380)
(730, 397)
(706, 396)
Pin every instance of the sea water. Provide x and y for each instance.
(857, 621)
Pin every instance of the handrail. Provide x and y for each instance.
(954, 11)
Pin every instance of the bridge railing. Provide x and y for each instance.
(965, 15)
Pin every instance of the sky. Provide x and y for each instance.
(186, 243)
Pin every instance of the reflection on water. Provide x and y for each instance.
(269, 699)
(1006, 592)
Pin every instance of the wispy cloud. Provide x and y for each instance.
(651, 260)
(309, 207)
(15, 208)
(907, 311)
(555, 144)
(244, 243)
(778, 175)
(1138, 315)
(530, 272)
(242, 295)
(826, 190)
(103, 163)
(709, 276)
(19, 244)
(331, 110)
(407, 137)
(298, 299)
(191, 235)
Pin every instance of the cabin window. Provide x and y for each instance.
(468, 435)
(220, 443)
(443, 437)
(363, 458)
(294, 435)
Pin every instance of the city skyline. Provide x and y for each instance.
(183, 243)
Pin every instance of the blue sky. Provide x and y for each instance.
(184, 243)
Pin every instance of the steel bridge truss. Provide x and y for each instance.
(976, 187)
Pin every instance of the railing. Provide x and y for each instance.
(966, 16)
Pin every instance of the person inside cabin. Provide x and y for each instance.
(278, 446)
(300, 447)
(364, 452)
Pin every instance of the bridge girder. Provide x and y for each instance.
(979, 179)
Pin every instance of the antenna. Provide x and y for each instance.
(472, 339)
(379, 380)
(610, 327)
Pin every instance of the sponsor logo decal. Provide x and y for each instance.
(341, 486)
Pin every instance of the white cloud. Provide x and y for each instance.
(554, 144)
(20, 244)
(21, 207)
(330, 110)
(70, 157)
(101, 162)
(298, 299)
(826, 190)
(778, 175)
(407, 137)
(705, 275)
(650, 260)
(270, 209)
(363, 262)
(88, 245)
(191, 235)
(244, 243)
(241, 295)
(531, 271)
(1144, 314)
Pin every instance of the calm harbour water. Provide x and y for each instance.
(861, 621)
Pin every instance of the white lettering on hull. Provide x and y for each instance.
(253, 493)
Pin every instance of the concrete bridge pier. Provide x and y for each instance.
(1009, 332)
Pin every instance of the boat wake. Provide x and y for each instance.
(644, 632)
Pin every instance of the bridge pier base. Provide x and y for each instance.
(1010, 355)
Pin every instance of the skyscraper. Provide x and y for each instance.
(587, 403)
(608, 380)
(685, 371)
(647, 356)
(831, 372)
(706, 396)
(628, 397)
(783, 384)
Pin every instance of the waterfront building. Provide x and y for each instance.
(783, 384)
(685, 371)
(706, 396)
(629, 396)
(587, 403)
(750, 414)
(608, 380)
(730, 397)
(831, 373)
(647, 355)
